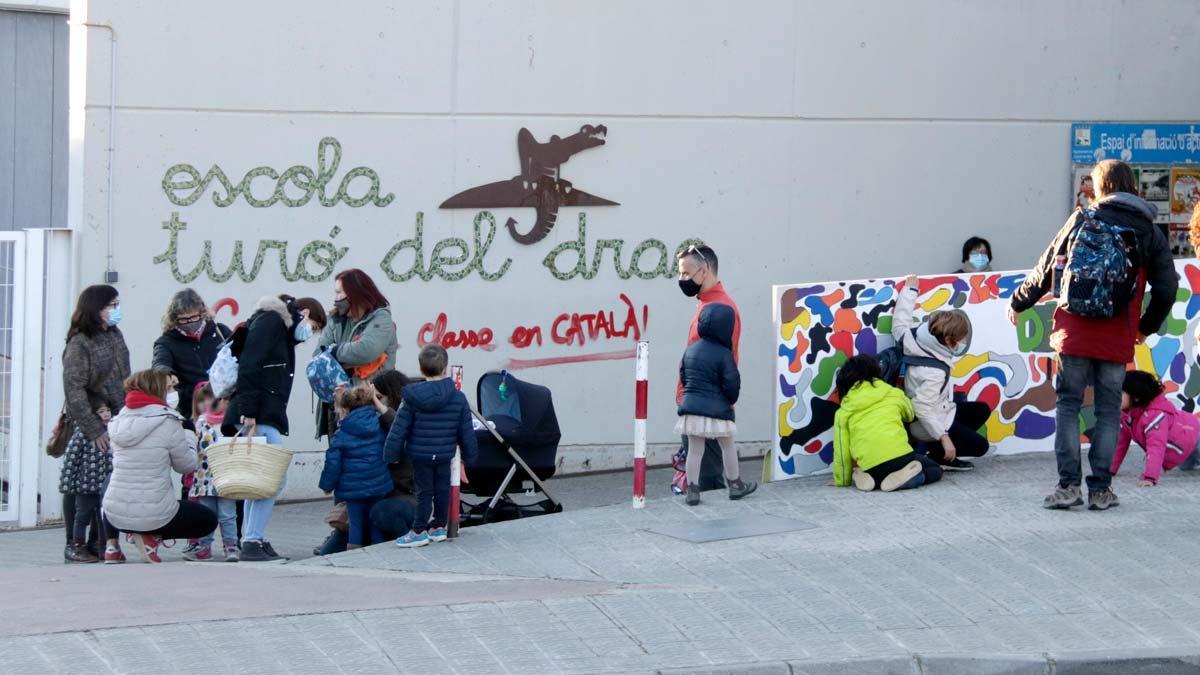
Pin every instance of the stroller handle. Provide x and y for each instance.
(487, 426)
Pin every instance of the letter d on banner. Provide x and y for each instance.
(456, 376)
(639, 425)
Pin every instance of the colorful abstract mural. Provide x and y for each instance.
(819, 326)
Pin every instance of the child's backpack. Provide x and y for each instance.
(1099, 272)
(223, 373)
(893, 363)
(325, 375)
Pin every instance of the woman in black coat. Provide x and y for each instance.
(266, 350)
(188, 345)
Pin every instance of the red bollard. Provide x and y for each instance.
(639, 426)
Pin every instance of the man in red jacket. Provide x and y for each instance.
(1095, 350)
(698, 278)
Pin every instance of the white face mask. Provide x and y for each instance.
(173, 400)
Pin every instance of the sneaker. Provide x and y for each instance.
(738, 488)
(957, 464)
(413, 540)
(1102, 500)
(76, 552)
(900, 477)
(693, 494)
(113, 556)
(148, 545)
(231, 553)
(271, 551)
(255, 551)
(437, 534)
(1063, 498)
(192, 546)
(862, 480)
(198, 554)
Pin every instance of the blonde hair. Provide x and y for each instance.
(1194, 228)
(950, 327)
(154, 382)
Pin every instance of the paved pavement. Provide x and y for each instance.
(969, 575)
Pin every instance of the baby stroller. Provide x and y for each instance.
(521, 436)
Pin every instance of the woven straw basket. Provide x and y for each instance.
(243, 469)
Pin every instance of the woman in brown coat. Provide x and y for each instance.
(95, 363)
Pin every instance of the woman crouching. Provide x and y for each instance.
(148, 441)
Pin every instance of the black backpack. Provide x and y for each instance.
(894, 363)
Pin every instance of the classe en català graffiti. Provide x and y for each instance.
(418, 256)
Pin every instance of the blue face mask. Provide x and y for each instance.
(959, 349)
(114, 317)
(303, 331)
(979, 260)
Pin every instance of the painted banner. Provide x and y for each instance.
(819, 326)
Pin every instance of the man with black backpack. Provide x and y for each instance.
(1097, 266)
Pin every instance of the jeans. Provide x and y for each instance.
(1075, 373)
(359, 513)
(258, 511)
(226, 510)
(433, 492)
(393, 517)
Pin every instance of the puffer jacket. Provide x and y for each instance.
(869, 428)
(711, 382)
(189, 358)
(433, 419)
(266, 366)
(94, 369)
(932, 397)
(1109, 339)
(1167, 434)
(354, 467)
(147, 443)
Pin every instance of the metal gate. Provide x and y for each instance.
(12, 362)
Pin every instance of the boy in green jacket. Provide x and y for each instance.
(869, 430)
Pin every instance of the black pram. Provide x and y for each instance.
(524, 440)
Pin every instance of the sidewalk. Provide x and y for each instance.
(970, 575)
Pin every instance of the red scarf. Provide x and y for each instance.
(140, 399)
(214, 419)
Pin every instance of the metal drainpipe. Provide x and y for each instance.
(110, 276)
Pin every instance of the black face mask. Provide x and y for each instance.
(342, 306)
(191, 327)
(689, 287)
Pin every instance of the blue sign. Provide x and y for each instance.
(1136, 143)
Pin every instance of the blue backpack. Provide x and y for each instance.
(325, 375)
(1099, 273)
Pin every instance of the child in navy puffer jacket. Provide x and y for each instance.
(711, 385)
(432, 421)
(354, 468)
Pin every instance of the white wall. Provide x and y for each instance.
(803, 140)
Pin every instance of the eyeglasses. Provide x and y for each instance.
(189, 319)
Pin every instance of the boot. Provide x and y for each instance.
(738, 488)
(77, 552)
(693, 494)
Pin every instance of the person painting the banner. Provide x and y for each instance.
(698, 278)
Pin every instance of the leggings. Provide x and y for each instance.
(695, 457)
(82, 511)
(192, 521)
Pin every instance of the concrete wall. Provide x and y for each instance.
(803, 140)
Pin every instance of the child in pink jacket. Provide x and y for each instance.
(1167, 434)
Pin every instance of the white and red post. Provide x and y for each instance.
(456, 375)
(639, 425)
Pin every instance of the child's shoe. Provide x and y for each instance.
(231, 552)
(739, 488)
(198, 554)
(437, 534)
(413, 540)
(77, 552)
(113, 555)
(693, 494)
(862, 480)
(900, 477)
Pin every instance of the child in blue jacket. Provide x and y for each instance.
(354, 468)
(432, 421)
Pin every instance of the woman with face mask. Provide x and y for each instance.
(188, 346)
(361, 334)
(95, 363)
(976, 256)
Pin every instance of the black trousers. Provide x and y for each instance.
(192, 521)
(964, 432)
